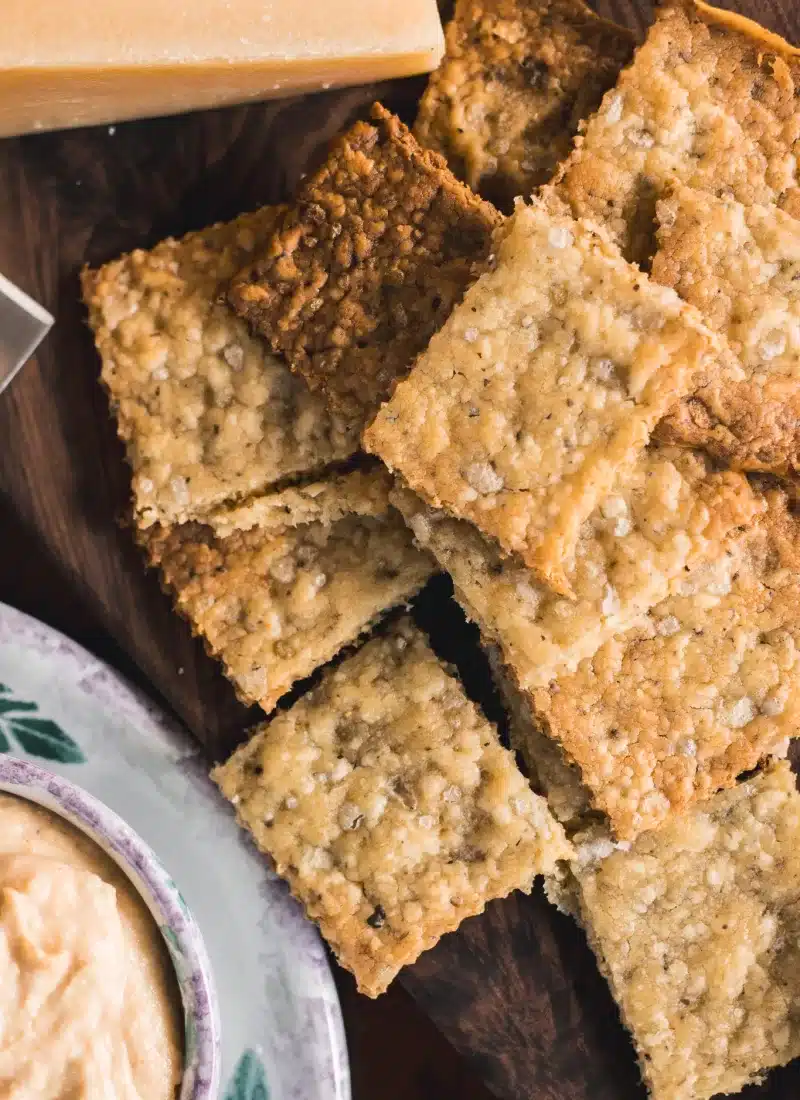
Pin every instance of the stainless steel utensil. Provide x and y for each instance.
(23, 325)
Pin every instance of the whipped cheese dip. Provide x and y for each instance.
(89, 1006)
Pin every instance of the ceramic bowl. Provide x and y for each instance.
(163, 899)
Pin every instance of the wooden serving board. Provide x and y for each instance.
(516, 990)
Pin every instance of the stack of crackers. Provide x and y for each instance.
(583, 405)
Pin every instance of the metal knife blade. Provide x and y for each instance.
(23, 324)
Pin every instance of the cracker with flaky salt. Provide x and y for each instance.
(206, 413)
(698, 692)
(673, 513)
(740, 266)
(517, 78)
(388, 803)
(541, 390)
(711, 99)
(696, 927)
(273, 606)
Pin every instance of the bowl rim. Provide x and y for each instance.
(160, 893)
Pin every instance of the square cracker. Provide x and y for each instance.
(706, 686)
(517, 78)
(696, 928)
(740, 266)
(358, 492)
(382, 243)
(542, 388)
(388, 803)
(711, 99)
(207, 415)
(673, 513)
(273, 606)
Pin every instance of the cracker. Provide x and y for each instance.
(548, 769)
(740, 266)
(381, 245)
(673, 513)
(359, 492)
(696, 929)
(542, 388)
(273, 606)
(517, 78)
(386, 800)
(706, 686)
(206, 413)
(711, 99)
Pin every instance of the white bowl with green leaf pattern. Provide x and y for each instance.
(281, 1035)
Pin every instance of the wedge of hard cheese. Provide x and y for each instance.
(66, 63)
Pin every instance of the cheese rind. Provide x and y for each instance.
(67, 63)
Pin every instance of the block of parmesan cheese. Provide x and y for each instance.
(66, 63)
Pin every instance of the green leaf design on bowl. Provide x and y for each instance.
(249, 1081)
(39, 737)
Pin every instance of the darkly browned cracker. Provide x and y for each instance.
(382, 243)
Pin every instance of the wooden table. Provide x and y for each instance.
(73, 198)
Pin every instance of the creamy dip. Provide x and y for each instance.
(88, 1000)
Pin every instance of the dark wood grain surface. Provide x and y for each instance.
(516, 990)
